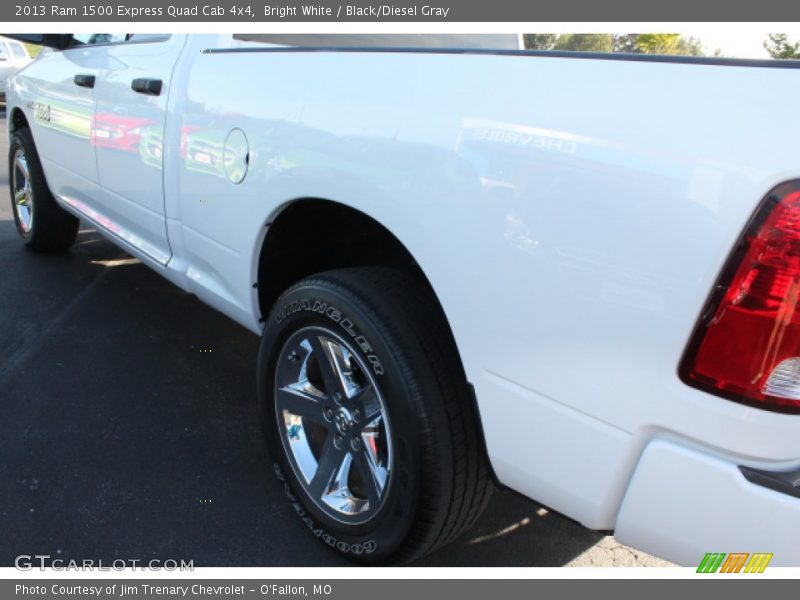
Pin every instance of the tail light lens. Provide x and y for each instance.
(746, 346)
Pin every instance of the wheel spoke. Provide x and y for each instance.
(296, 399)
(373, 477)
(22, 164)
(370, 405)
(330, 360)
(379, 465)
(372, 428)
(328, 469)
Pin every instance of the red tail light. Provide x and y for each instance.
(747, 345)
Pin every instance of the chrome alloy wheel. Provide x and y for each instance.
(333, 425)
(23, 194)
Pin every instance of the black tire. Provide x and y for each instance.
(439, 481)
(51, 228)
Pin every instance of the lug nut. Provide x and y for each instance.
(337, 396)
(355, 444)
(338, 441)
(356, 415)
(329, 414)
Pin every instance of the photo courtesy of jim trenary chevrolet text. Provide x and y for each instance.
(301, 298)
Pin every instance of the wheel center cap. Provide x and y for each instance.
(343, 420)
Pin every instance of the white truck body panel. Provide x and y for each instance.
(571, 215)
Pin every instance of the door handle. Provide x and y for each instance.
(86, 81)
(149, 87)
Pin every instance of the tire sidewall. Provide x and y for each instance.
(318, 305)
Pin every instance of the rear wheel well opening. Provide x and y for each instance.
(18, 120)
(311, 235)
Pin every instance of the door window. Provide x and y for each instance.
(98, 38)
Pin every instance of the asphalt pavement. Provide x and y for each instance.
(129, 430)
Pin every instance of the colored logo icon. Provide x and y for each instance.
(737, 562)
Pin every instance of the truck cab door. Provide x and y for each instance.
(128, 137)
(60, 95)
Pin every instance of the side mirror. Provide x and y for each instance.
(59, 41)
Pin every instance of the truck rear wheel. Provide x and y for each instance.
(41, 222)
(368, 417)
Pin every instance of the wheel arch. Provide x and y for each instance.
(367, 242)
(17, 120)
(279, 264)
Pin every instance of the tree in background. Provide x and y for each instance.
(691, 46)
(540, 41)
(585, 42)
(778, 46)
(579, 42)
(669, 43)
(657, 43)
(626, 42)
(633, 43)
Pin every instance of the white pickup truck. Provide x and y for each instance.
(573, 275)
